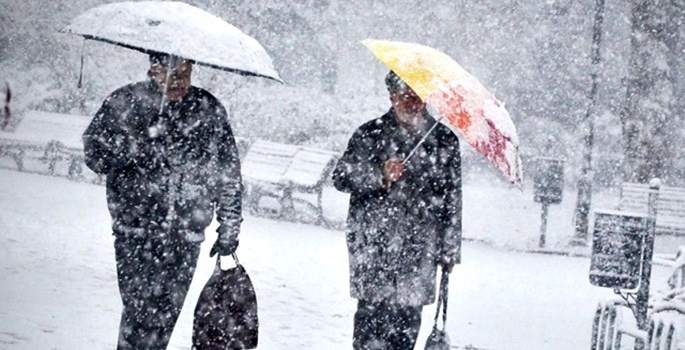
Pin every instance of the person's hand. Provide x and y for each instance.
(446, 263)
(226, 243)
(392, 171)
(447, 267)
(224, 247)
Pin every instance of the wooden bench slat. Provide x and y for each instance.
(266, 162)
(664, 210)
(671, 204)
(634, 202)
(670, 210)
(671, 219)
(665, 189)
(680, 220)
(275, 161)
(266, 175)
(646, 189)
(675, 190)
(671, 195)
(669, 231)
(634, 199)
(272, 152)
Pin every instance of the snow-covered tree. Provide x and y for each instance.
(650, 123)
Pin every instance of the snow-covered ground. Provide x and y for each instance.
(58, 282)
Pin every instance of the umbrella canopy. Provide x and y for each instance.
(177, 29)
(464, 105)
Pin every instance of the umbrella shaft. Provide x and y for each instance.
(423, 139)
(166, 83)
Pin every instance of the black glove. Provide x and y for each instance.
(224, 247)
(447, 262)
(225, 244)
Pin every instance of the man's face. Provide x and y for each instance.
(179, 79)
(409, 109)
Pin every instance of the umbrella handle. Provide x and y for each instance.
(80, 73)
(166, 83)
(442, 299)
(423, 139)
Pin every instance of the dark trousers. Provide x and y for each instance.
(386, 326)
(154, 275)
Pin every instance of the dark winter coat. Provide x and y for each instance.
(170, 172)
(397, 236)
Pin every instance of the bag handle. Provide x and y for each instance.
(442, 299)
(234, 256)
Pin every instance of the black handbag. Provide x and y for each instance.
(438, 339)
(226, 313)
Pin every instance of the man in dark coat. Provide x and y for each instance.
(404, 219)
(170, 164)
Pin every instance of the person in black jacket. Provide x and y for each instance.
(170, 164)
(404, 218)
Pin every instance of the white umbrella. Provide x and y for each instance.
(177, 29)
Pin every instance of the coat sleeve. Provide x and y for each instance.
(358, 170)
(106, 141)
(452, 232)
(229, 181)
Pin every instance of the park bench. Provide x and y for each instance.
(670, 217)
(288, 174)
(49, 144)
(614, 322)
(667, 320)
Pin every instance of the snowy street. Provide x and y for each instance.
(58, 282)
(342, 148)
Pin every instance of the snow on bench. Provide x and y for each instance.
(666, 318)
(282, 171)
(670, 217)
(677, 279)
(266, 162)
(47, 143)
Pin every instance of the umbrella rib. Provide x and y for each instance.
(143, 50)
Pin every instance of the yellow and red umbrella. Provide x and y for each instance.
(463, 103)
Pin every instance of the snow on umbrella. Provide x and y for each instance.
(177, 29)
(463, 103)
